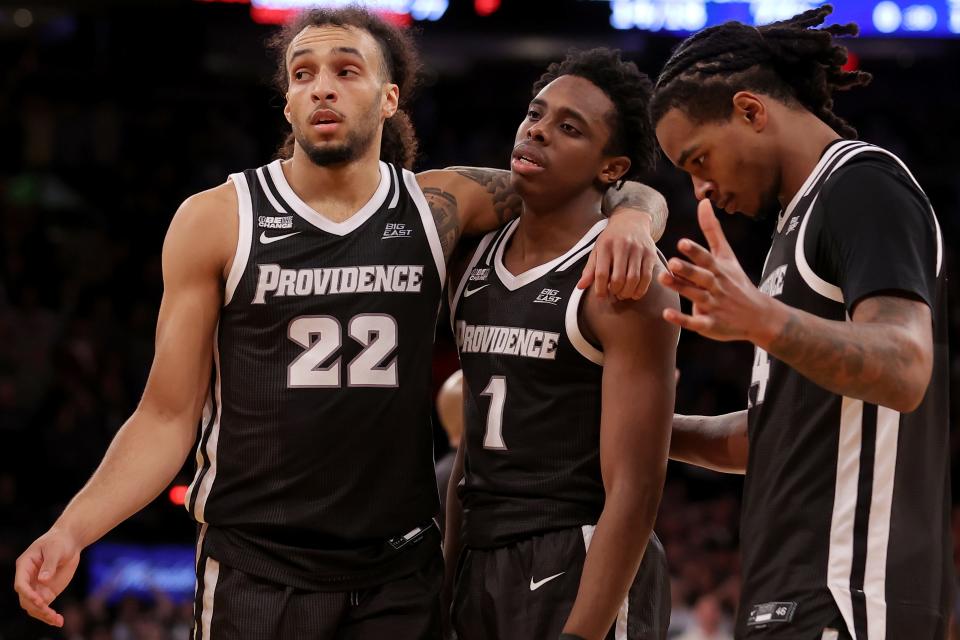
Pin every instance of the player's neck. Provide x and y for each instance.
(334, 191)
(548, 231)
(803, 146)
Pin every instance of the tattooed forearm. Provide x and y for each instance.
(883, 357)
(507, 205)
(443, 206)
(634, 195)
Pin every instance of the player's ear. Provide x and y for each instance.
(286, 107)
(614, 169)
(391, 99)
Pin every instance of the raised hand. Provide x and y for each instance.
(726, 304)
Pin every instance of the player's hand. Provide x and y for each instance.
(43, 571)
(622, 261)
(726, 305)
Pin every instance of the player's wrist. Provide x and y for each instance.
(771, 318)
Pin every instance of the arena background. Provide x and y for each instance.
(112, 112)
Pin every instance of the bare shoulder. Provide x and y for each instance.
(609, 318)
(205, 229)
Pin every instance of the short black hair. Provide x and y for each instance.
(789, 60)
(631, 133)
(401, 64)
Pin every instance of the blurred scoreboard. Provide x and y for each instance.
(876, 18)
(897, 18)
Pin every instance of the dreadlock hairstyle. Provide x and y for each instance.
(789, 60)
(401, 65)
(631, 133)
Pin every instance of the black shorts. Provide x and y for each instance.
(233, 605)
(836, 629)
(527, 590)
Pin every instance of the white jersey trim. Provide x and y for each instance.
(455, 295)
(211, 574)
(815, 282)
(198, 455)
(429, 224)
(396, 192)
(840, 554)
(811, 180)
(878, 528)
(244, 236)
(322, 222)
(267, 192)
(620, 626)
(206, 484)
(514, 282)
(572, 324)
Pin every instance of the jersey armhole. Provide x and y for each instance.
(242, 253)
(574, 334)
(455, 294)
(429, 226)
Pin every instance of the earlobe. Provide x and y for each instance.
(614, 170)
(391, 101)
(286, 108)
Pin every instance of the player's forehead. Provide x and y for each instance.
(677, 133)
(334, 39)
(573, 93)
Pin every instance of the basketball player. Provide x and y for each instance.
(569, 397)
(312, 287)
(845, 526)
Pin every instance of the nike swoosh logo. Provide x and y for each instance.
(469, 292)
(536, 585)
(265, 239)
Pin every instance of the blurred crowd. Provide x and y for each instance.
(104, 134)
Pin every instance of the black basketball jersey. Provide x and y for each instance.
(316, 448)
(846, 504)
(532, 387)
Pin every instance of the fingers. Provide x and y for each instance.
(602, 266)
(697, 253)
(586, 279)
(700, 324)
(697, 275)
(618, 271)
(688, 290)
(35, 601)
(646, 277)
(712, 230)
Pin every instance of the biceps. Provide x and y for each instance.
(638, 400)
(180, 374)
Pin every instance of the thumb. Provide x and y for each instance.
(51, 560)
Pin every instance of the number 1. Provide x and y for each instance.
(497, 390)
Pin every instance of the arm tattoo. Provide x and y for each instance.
(443, 206)
(869, 359)
(506, 203)
(634, 195)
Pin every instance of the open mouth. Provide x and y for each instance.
(325, 117)
(526, 159)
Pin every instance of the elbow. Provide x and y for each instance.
(914, 379)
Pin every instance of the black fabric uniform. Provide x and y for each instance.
(315, 457)
(846, 504)
(532, 489)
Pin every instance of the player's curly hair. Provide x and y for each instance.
(628, 89)
(789, 60)
(401, 62)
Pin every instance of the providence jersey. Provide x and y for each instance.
(532, 396)
(316, 449)
(846, 503)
